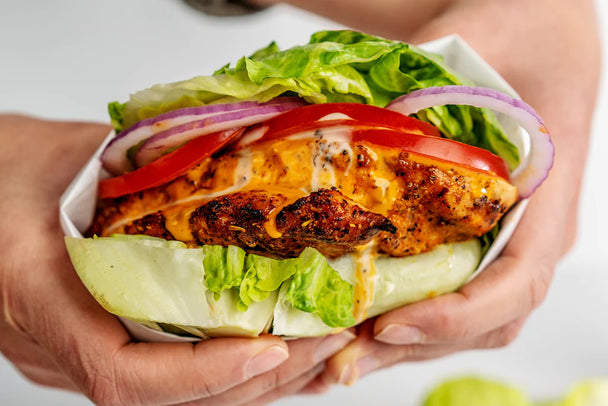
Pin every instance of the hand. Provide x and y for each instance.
(548, 51)
(57, 335)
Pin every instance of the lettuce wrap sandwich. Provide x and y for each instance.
(300, 192)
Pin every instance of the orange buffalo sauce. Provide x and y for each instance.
(292, 168)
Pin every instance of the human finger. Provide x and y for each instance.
(505, 292)
(317, 386)
(343, 367)
(21, 350)
(305, 355)
(510, 288)
(289, 388)
(45, 377)
(96, 353)
(366, 354)
(167, 373)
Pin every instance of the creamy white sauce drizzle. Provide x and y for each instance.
(242, 176)
(365, 278)
(251, 136)
(329, 142)
(382, 184)
(335, 116)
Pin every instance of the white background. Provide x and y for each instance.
(66, 59)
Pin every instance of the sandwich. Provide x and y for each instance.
(301, 192)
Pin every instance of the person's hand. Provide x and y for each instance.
(548, 51)
(57, 335)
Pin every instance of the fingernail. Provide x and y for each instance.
(332, 344)
(399, 334)
(362, 367)
(266, 360)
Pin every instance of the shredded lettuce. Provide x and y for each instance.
(335, 66)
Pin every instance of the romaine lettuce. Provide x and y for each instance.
(152, 280)
(396, 281)
(318, 289)
(223, 267)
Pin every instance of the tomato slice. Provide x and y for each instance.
(324, 115)
(167, 167)
(367, 123)
(443, 149)
(379, 126)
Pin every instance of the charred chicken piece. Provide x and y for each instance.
(325, 220)
(330, 195)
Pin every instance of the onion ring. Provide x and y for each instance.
(540, 159)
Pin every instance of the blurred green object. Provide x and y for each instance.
(593, 392)
(475, 391)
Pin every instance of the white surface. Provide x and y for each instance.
(66, 59)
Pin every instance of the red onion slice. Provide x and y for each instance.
(114, 157)
(540, 158)
(157, 145)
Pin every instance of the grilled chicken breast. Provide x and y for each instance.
(279, 197)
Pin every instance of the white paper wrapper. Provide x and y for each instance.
(77, 204)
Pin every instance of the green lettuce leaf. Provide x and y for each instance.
(262, 276)
(318, 289)
(397, 281)
(150, 279)
(335, 66)
(116, 112)
(312, 286)
(223, 267)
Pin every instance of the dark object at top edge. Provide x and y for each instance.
(224, 8)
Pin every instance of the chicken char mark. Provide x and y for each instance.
(152, 225)
(324, 220)
(441, 206)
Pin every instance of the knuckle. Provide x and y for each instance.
(272, 380)
(449, 326)
(420, 352)
(11, 304)
(503, 336)
(205, 386)
(539, 286)
(100, 383)
(100, 390)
